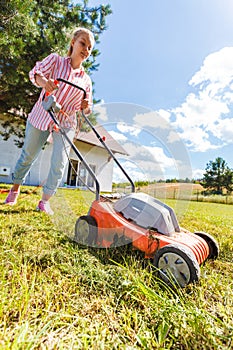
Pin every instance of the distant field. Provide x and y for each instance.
(183, 191)
(172, 190)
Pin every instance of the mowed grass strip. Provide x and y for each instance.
(56, 294)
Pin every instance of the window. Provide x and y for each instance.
(83, 178)
(71, 177)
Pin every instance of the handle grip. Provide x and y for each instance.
(56, 82)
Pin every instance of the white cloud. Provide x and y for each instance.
(164, 114)
(173, 137)
(135, 172)
(197, 140)
(102, 112)
(198, 173)
(153, 119)
(224, 130)
(117, 136)
(217, 68)
(202, 119)
(152, 162)
(160, 157)
(125, 128)
(200, 110)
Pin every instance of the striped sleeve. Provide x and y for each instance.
(43, 68)
(89, 92)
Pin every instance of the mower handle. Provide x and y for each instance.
(74, 85)
(56, 81)
(101, 139)
(62, 131)
(98, 137)
(52, 102)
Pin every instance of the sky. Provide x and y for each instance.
(165, 80)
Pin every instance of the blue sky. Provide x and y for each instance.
(166, 81)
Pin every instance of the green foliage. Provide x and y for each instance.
(218, 176)
(141, 183)
(56, 294)
(29, 31)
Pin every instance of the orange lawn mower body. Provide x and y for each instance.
(151, 227)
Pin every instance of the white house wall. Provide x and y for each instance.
(99, 157)
(9, 154)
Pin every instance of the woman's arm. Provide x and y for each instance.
(43, 69)
(47, 84)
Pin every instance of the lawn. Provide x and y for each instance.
(56, 294)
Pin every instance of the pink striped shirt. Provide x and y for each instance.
(69, 97)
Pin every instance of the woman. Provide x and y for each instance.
(39, 123)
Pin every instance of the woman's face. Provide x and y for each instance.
(82, 47)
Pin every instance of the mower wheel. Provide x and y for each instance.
(86, 230)
(177, 265)
(212, 243)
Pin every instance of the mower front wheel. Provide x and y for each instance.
(177, 265)
(86, 230)
(212, 244)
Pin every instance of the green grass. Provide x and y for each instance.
(58, 295)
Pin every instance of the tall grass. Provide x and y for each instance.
(56, 294)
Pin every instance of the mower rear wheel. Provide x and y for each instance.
(212, 243)
(86, 230)
(177, 265)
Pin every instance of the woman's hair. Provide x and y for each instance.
(77, 32)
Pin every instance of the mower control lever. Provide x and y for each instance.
(50, 102)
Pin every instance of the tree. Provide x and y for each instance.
(218, 176)
(229, 180)
(29, 31)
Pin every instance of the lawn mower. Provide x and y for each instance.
(143, 221)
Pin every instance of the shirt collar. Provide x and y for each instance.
(77, 71)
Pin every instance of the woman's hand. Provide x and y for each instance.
(85, 106)
(48, 84)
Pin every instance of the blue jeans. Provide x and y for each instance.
(33, 143)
